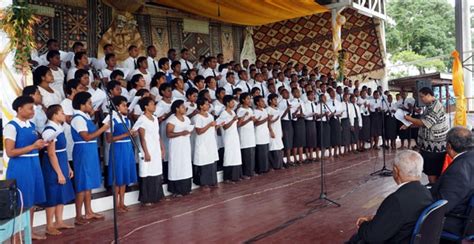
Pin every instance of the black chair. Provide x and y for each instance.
(429, 226)
(469, 227)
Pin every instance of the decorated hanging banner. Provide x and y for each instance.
(460, 117)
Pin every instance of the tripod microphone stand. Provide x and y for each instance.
(111, 109)
(323, 193)
(384, 171)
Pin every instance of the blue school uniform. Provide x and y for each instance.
(124, 157)
(56, 193)
(85, 157)
(26, 168)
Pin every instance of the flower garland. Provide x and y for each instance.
(341, 60)
(18, 21)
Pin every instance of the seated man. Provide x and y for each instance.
(456, 184)
(397, 215)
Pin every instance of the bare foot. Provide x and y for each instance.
(94, 216)
(61, 225)
(80, 221)
(51, 230)
(121, 210)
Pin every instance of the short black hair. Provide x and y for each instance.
(115, 73)
(200, 102)
(156, 78)
(39, 73)
(163, 87)
(107, 45)
(112, 84)
(77, 44)
(183, 50)
(191, 91)
(29, 90)
(51, 41)
(118, 100)
(174, 82)
(135, 79)
(80, 98)
(149, 48)
(227, 99)
(22, 101)
(144, 101)
(141, 59)
(72, 84)
(51, 54)
(425, 91)
(108, 56)
(459, 138)
(271, 97)
(198, 78)
(131, 47)
(174, 64)
(78, 57)
(162, 62)
(243, 96)
(52, 110)
(141, 92)
(80, 73)
(175, 105)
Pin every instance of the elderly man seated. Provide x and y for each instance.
(456, 184)
(397, 215)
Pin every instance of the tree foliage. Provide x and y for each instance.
(422, 66)
(425, 27)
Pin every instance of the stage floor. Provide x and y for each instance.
(269, 208)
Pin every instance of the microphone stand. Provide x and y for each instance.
(323, 193)
(111, 109)
(384, 171)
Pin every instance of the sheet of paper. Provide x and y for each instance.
(400, 115)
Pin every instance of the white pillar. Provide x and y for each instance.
(463, 41)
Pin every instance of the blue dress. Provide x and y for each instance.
(26, 169)
(85, 157)
(56, 193)
(124, 157)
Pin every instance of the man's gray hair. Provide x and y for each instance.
(409, 163)
(460, 139)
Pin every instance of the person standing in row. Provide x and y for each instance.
(275, 156)
(178, 130)
(247, 137)
(262, 135)
(311, 131)
(152, 151)
(205, 146)
(56, 171)
(232, 156)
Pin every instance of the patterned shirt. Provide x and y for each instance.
(432, 137)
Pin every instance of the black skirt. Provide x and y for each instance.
(346, 132)
(335, 126)
(299, 136)
(276, 159)
(220, 162)
(324, 132)
(287, 128)
(205, 175)
(311, 134)
(165, 171)
(364, 134)
(248, 161)
(261, 156)
(180, 187)
(375, 124)
(355, 132)
(433, 162)
(150, 189)
(403, 134)
(233, 173)
(390, 127)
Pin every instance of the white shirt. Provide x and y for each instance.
(66, 104)
(146, 76)
(282, 106)
(375, 104)
(295, 103)
(178, 95)
(152, 66)
(334, 106)
(129, 64)
(39, 119)
(58, 83)
(363, 104)
(277, 142)
(263, 88)
(72, 72)
(9, 132)
(244, 86)
(152, 138)
(209, 72)
(262, 134)
(309, 110)
(184, 68)
(345, 110)
(99, 63)
(205, 145)
(246, 132)
(50, 98)
(354, 112)
(78, 123)
(51, 133)
(229, 88)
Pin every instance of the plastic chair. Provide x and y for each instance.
(429, 225)
(469, 227)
